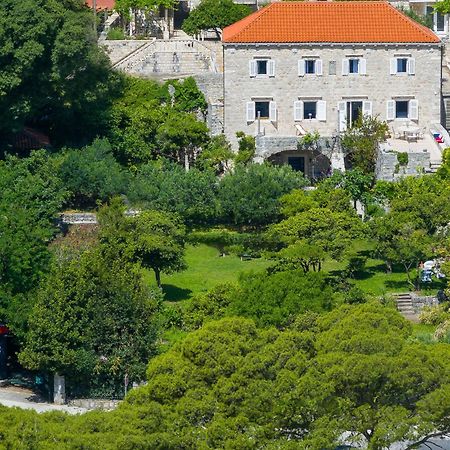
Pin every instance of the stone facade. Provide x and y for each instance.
(375, 88)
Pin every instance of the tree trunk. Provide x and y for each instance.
(388, 267)
(158, 277)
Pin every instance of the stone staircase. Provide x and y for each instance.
(168, 58)
(405, 306)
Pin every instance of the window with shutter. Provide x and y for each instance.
(367, 108)
(411, 66)
(273, 111)
(390, 110)
(271, 67)
(298, 110)
(319, 67)
(252, 67)
(342, 116)
(250, 111)
(393, 66)
(301, 67)
(362, 66)
(413, 110)
(321, 110)
(345, 68)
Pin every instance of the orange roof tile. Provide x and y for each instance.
(319, 21)
(102, 4)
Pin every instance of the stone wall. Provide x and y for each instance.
(117, 50)
(419, 302)
(91, 404)
(388, 168)
(378, 86)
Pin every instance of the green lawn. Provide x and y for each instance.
(206, 269)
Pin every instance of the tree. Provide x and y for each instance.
(399, 240)
(361, 142)
(157, 242)
(146, 123)
(322, 227)
(300, 255)
(168, 187)
(214, 15)
(355, 182)
(94, 321)
(276, 299)
(250, 195)
(92, 174)
(52, 72)
(142, 12)
(32, 196)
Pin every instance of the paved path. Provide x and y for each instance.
(26, 399)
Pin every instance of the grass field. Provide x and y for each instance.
(206, 269)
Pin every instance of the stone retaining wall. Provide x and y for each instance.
(91, 404)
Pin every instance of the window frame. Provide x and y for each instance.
(358, 65)
(268, 109)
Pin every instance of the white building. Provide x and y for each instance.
(301, 67)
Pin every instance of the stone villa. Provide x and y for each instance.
(294, 68)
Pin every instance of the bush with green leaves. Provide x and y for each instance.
(277, 298)
(168, 187)
(249, 196)
(92, 174)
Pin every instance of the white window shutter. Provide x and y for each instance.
(252, 67)
(411, 66)
(345, 66)
(319, 67)
(250, 111)
(301, 67)
(298, 111)
(413, 110)
(321, 110)
(393, 66)
(362, 66)
(367, 108)
(390, 110)
(271, 67)
(273, 111)
(342, 116)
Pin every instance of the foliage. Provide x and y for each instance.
(400, 241)
(402, 158)
(93, 321)
(361, 141)
(355, 182)
(322, 227)
(444, 170)
(250, 195)
(92, 174)
(52, 72)
(154, 239)
(31, 198)
(212, 305)
(217, 155)
(300, 255)
(168, 187)
(214, 15)
(157, 242)
(246, 148)
(276, 299)
(146, 123)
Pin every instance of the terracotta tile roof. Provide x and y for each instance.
(102, 4)
(323, 21)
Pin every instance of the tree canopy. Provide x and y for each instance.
(214, 15)
(52, 73)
